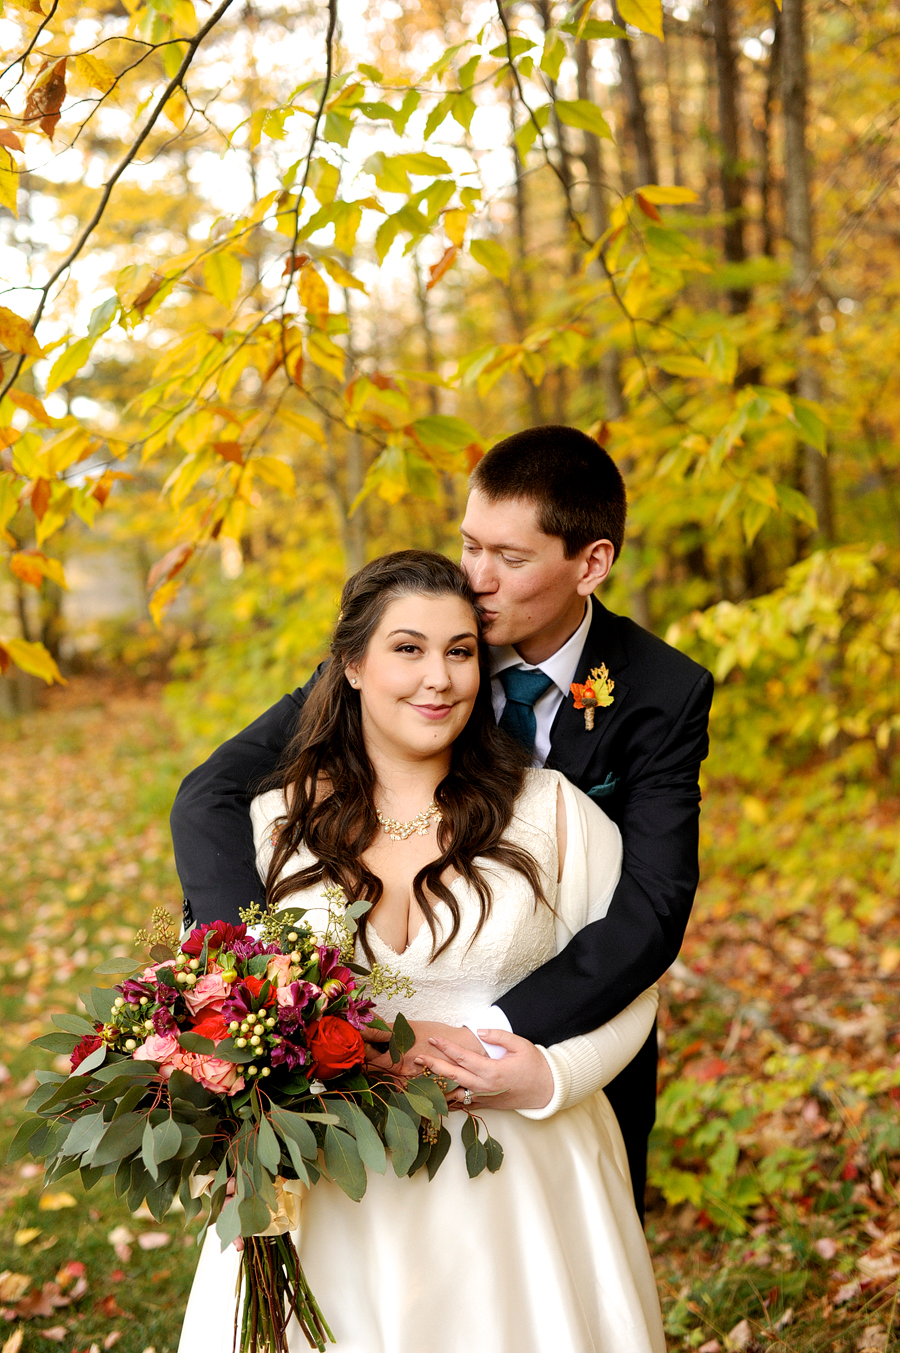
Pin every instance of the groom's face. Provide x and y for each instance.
(529, 593)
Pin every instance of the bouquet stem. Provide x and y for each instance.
(275, 1289)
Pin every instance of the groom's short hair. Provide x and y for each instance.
(573, 482)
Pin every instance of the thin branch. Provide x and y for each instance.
(192, 46)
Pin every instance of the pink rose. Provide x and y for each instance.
(210, 993)
(279, 970)
(223, 1078)
(165, 1049)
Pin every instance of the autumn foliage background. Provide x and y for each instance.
(276, 275)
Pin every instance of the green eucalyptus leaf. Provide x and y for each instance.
(254, 1216)
(228, 1226)
(267, 1147)
(438, 1152)
(293, 1127)
(73, 1024)
(476, 1159)
(121, 1138)
(494, 1154)
(402, 1137)
(402, 1038)
(60, 1043)
(197, 1043)
(343, 1162)
(147, 1150)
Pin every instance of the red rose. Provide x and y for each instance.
(255, 985)
(90, 1043)
(212, 1025)
(335, 1047)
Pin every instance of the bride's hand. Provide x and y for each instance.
(520, 1080)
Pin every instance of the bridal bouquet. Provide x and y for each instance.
(232, 1067)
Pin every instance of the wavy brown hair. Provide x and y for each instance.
(476, 798)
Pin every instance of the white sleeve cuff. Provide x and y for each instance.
(576, 1074)
(489, 1017)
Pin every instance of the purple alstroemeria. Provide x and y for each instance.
(360, 1013)
(133, 991)
(247, 948)
(163, 1021)
(289, 1055)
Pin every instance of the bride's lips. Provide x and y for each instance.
(433, 712)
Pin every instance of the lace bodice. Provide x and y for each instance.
(517, 937)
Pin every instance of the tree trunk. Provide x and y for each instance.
(730, 173)
(591, 153)
(637, 124)
(523, 272)
(766, 194)
(799, 230)
(673, 95)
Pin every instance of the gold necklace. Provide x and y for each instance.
(400, 831)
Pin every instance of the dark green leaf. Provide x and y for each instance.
(254, 1216)
(476, 1159)
(116, 965)
(469, 1131)
(428, 1087)
(257, 965)
(371, 1147)
(438, 1152)
(402, 1038)
(183, 1086)
(126, 1068)
(197, 1043)
(18, 1147)
(147, 1150)
(494, 1154)
(228, 1227)
(402, 1137)
(267, 1146)
(159, 1200)
(55, 1042)
(85, 1134)
(73, 1024)
(291, 1126)
(343, 1163)
(227, 1052)
(166, 1140)
(121, 1138)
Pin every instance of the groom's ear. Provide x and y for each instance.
(597, 559)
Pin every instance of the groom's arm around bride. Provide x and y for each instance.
(544, 522)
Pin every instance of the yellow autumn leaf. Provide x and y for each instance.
(31, 658)
(303, 424)
(32, 566)
(9, 182)
(162, 599)
(26, 1235)
(16, 334)
(339, 274)
(455, 223)
(314, 296)
(95, 72)
(326, 354)
(647, 15)
(275, 472)
(222, 274)
(56, 1202)
(667, 194)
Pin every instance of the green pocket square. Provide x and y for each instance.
(609, 786)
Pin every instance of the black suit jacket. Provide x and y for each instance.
(640, 763)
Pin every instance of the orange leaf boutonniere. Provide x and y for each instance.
(597, 692)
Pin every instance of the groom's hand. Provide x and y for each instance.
(378, 1058)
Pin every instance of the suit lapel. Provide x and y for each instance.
(572, 747)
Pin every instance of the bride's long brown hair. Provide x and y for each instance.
(476, 798)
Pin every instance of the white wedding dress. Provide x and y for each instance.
(545, 1256)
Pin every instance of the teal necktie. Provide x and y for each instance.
(522, 690)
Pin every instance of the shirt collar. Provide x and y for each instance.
(560, 667)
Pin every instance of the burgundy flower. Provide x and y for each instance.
(360, 1013)
(221, 935)
(334, 977)
(133, 991)
(289, 1055)
(90, 1043)
(249, 948)
(163, 1021)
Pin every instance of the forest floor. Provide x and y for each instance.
(775, 1217)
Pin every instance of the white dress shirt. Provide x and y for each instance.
(560, 667)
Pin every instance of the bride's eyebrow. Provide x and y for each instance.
(416, 634)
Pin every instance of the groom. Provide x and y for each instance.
(544, 521)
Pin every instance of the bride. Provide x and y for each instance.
(399, 787)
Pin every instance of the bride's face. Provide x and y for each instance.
(419, 678)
